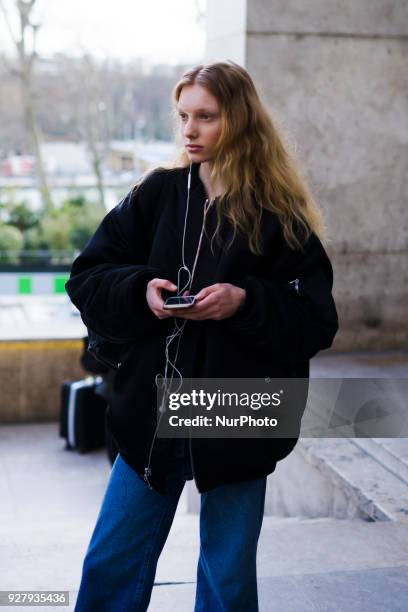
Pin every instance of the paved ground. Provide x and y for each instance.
(50, 498)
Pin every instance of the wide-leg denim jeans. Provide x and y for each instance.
(132, 527)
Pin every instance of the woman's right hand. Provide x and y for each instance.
(154, 298)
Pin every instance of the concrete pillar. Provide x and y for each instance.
(334, 76)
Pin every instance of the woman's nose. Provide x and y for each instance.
(190, 129)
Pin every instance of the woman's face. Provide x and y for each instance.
(200, 122)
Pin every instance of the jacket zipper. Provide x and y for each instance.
(148, 470)
(191, 459)
(295, 284)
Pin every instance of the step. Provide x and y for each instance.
(378, 493)
(392, 453)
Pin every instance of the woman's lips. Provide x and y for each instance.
(193, 147)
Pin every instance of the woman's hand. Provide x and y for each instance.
(154, 298)
(216, 302)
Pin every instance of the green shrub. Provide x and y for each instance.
(66, 228)
(11, 242)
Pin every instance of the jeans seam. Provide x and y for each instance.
(216, 593)
(198, 595)
(142, 582)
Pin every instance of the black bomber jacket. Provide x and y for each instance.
(288, 316)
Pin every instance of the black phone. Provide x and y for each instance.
(182, 301)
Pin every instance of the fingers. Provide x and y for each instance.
(205, 309)
(162, 283)
(207, 290)
(154, 297)
(211, 303)
(204, 303)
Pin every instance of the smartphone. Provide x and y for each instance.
(182, 301)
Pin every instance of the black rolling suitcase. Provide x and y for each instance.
(63, 421)
(82, 414)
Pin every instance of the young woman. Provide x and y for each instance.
(231, 222)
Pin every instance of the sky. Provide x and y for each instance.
(159, 31)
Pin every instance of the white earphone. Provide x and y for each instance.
(160, 380)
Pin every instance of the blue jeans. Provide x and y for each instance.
(132, 527)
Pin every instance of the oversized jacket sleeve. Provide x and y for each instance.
(108, 279)
(291, 321)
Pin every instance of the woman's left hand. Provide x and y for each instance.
(216, 302)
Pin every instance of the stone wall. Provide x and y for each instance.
(334, 77)
(31, 374)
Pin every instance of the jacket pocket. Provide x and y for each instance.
(110, 354)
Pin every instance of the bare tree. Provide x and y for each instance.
(94, 124)
(26, 54)
(199, 13)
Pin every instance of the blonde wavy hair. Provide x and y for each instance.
(251, 160)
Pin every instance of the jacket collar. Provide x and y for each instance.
(195, 176)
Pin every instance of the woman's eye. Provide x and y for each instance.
(202, 116)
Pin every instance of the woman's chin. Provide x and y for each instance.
(198, 156)
(194, 154)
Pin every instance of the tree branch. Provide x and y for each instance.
(7, 22)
